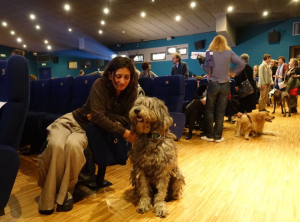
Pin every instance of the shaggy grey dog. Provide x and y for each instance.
(154, 156)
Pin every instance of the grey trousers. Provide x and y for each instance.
(61, 162)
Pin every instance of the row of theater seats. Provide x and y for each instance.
(50, 99)
(14, 90)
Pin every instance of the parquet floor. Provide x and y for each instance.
(238, 180)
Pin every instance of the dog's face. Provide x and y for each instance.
(150, 115)
(266, 116)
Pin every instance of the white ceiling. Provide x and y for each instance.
(125, 15)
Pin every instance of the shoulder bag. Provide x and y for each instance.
(245, 88)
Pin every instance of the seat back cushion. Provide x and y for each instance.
(190, 89)
(40, 95)
(146, 83)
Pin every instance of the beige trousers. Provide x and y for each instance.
(264, 96)
(61, 162)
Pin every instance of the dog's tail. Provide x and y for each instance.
(270, 133)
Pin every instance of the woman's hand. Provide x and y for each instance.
(294, 76)
(129, 136)
(89, 116)
(236, 88)
(239, 115)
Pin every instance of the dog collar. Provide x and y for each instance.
(156, 136)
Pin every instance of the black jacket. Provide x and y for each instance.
(182, 69)
(248, 71)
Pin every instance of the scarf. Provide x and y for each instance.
(267, 67)
(279, 73)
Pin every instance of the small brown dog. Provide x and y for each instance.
(154, 156)
(253, 123)
(282, 98)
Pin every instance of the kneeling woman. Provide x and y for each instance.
(109, 103)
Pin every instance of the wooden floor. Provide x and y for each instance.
(238, 180)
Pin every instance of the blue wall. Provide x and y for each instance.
(28, 55)
(250, 39)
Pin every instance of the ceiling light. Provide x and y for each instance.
(4, 23)
(70, 30)
(230, 8)
(143, 14)
(123, 31)
(67, 7)
(177, 18)
(37, 27)
(32, 16)
(12, 32)
(46, 41)
(24, 46)
(19, 40)
(265, 13)
(152, 0)
(106, 11)
(102, 22)
(193, 4)
(296, 0)
(49, 47)
(100, 31)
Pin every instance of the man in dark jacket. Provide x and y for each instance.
(179, 68)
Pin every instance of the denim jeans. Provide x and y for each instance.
(216, 102)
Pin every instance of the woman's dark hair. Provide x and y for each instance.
(119, 63)
(282, 58)
(145, 65)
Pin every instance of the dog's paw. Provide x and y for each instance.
(237, 135)
(273, 112)
(143, 207)
(246, 138)
(160, 209)
(284, 115)
(290, 115)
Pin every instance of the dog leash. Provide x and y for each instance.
(248, 117)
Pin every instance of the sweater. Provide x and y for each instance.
(264, 76)
(222, 60)
(145, 74)
(107, 112)
(182, 69)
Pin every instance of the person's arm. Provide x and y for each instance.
(153, 74)
(206, 68)
(186, 73)
(240, 64)
(98, 111)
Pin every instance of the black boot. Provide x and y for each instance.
(100, 182)
(293, 110)
(189, 136)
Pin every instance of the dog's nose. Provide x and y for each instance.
(137, 111)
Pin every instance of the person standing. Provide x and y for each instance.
(255, 71)
(264, 82)
(146, 66)
(218, 87)
(273, 67)
(179, 67)
(280, 72)
(293, 81)
(81, 73)
(247, 103)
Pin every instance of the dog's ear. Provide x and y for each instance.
(163, 117)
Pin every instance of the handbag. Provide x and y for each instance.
(282, 84)
(294, 92)
(245, 88)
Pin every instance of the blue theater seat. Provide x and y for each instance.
(146, 83)
(191, 86)
(12, 120)
(232, 87)
(2, 80)
(40, 95)
(204, 81)
(169, 89)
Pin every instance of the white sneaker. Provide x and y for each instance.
(207, 139)
(220, 140)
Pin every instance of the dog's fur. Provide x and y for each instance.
(155, 168)
(282, 98)
(244, 126)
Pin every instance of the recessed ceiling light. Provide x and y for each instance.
(24, 46)
(12, 32)
(102, 22)
(143, 14)
(70, 30)
(123, 31)
(152, 0)
(177, 18)
(49, 47)
(106, 11)
(100, 31)
(4, 23)
(296, 0)
(32, 16)
(19, 40)
(193, 4)
(265, 13)
(37, 27)
(230, 8)
(46, 41)
(67, 7)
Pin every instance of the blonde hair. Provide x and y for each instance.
(32, 77)
(219, 44)
(178, 56)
